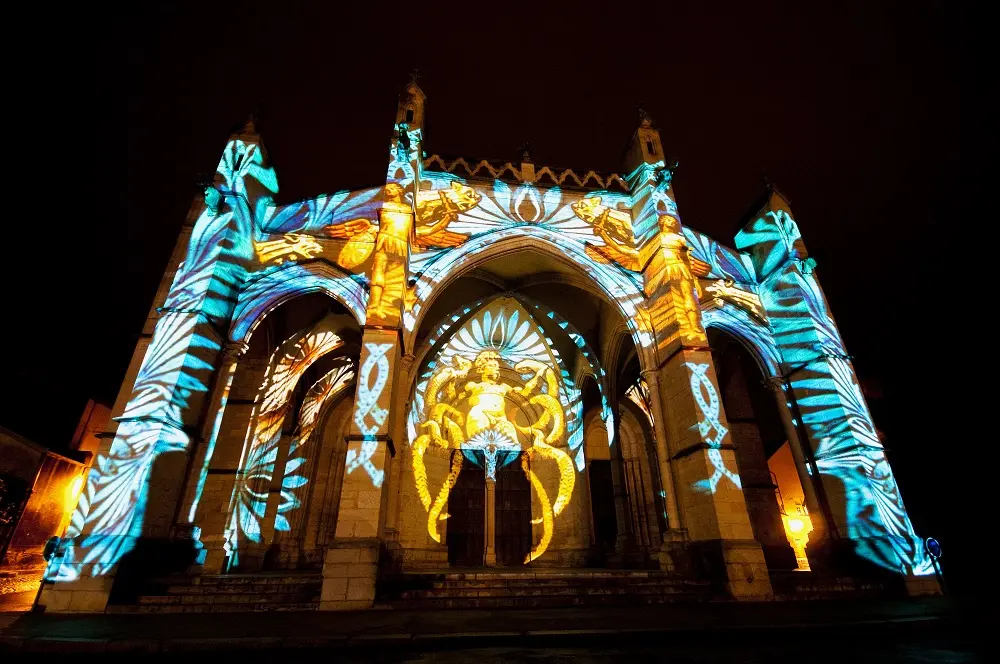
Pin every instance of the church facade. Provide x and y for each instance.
(483, 370)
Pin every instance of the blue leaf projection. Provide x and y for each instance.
(821, 383)
(176, 370)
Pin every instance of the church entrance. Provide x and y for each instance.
(467, 524)
(513, 514)
(472, 515)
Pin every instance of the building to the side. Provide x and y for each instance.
(483, 382)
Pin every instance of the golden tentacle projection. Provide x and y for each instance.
(546, 518)
(435, 513)
(467, 401)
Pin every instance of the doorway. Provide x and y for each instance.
(466, 530)
(513, 514)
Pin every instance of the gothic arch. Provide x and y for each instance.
(265, 448)
(609, 283)
(755, 337)
(263, 295)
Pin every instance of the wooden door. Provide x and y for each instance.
(466, 527)
(513, 514)
(602, 501)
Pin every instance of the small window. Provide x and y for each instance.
(409, 115)
(649, 147)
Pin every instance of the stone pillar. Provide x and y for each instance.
(364, 494)
(669, 497)
(490, 534)
(204, 448)
(135, 483)
(625, 542)
(350, 570)
(708, 486)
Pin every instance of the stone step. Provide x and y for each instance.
(539, 588)
(267, 598)
(244, 589)
(240, 607)
(540, 601)
(539, 592)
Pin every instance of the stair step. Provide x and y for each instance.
(213, 608)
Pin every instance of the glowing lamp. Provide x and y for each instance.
(796, 525)
(73, 491)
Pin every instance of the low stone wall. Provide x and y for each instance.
(350, 570)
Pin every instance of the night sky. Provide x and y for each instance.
(859, 114)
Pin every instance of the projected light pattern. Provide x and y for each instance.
(573, 408)
(620, 287)
(176, 370)
(295, 475)
(367, 410)
(253, 484)
(710, 428)
(638, 394)
(495, 369)
(828, 398)
(386, 253)
(553, 218)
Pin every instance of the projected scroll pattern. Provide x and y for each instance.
(710, 428)
(369, 391)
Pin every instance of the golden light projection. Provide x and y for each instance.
(497, 392)
(290, 246)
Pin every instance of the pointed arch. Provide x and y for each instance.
(266, 293)
(259, 457)
(752, 335)
(607, 281)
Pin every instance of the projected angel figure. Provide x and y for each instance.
(676, 270)
(472, 414)
(435, 210)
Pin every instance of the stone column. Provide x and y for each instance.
(625, 542)
(364, 495)
(204, 448)
(490, 534)
(668, 497)
(708, 486)
(862, 501)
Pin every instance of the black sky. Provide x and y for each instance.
(860, 112)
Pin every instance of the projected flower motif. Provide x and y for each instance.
(495, 447)
(174, 370)
(724, 262)
(324, 211)
(287, 364)
(850, 450)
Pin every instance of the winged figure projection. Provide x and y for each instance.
(614, 227)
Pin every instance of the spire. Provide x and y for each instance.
(644, 119)
(645, 146)
(250, 126)
(410, 109)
